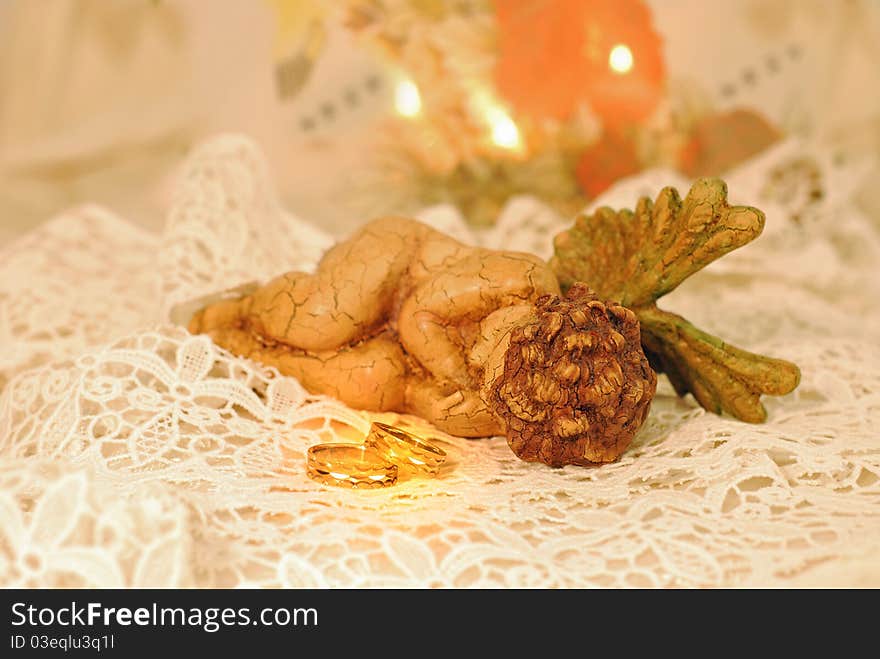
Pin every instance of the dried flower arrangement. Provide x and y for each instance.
(552, 98)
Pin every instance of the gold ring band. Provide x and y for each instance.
(350, 465)
(410, 453)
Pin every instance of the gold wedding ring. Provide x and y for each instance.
(411, 454)
(350, 465)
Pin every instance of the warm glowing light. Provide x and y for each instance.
(504, 131)
(412, 454)
(620, 59)
(407, 100)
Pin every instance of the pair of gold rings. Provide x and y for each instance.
(386, 454)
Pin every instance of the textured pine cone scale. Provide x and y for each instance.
(576, 384)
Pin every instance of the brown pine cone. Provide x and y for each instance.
(576, 384)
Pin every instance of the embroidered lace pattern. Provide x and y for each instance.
(135, 454)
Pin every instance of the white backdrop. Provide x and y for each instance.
(98, 101)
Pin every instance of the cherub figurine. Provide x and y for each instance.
(403, 318)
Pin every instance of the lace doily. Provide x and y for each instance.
(135, 454)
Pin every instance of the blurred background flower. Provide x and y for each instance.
(368, 107)
(556, 55)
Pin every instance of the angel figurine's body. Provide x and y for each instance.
(404, 318)
(401, 317)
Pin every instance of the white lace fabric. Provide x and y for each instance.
(135, 454)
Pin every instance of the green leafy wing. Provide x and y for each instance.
(636, 257)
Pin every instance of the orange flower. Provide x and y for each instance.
(555, 54)
(723, 140)
(606, 161)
